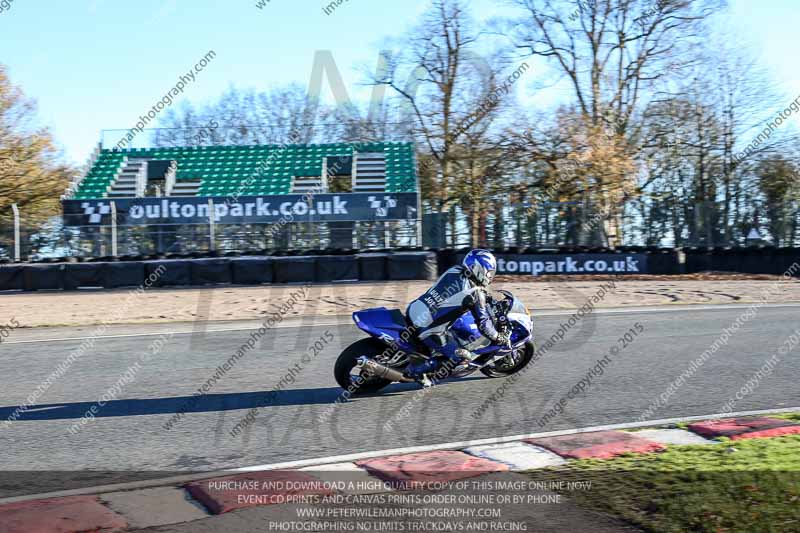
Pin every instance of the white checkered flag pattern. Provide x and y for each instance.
(95, 213)
(382, 207)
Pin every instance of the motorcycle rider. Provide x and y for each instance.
(460, 288)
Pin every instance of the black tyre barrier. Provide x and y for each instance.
(663, 262)
(368, 266)
(721, 260)
(210, 271)
(413, 266)
(169, 273)
(446, 259)
(787, 257)
(698, 261)
(84, 275)
(43, 277)
(252, 270)
(728, 260)
(294, 269)
(124, 274)
(336, 268)
(11, 278)
(666, 261)
(760, 261)
(373, 267)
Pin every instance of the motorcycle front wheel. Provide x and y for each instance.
(516, 361)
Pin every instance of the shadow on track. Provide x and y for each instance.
(195, 404)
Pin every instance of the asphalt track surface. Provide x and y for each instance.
(127, 440)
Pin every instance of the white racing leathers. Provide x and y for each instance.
(453, 293)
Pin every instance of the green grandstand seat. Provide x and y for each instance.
(223, 169)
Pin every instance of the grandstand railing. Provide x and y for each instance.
(254, 134)
(54, 240)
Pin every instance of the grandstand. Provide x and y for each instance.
(220, 171)
(246, 198)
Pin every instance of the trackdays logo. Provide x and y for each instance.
(259, 208)
(95, 212)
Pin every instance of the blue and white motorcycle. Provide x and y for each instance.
(371, 364)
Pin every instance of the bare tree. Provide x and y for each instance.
(452, 95)
(613, 56)
(780, 189)
(275, 116)
(692, 144)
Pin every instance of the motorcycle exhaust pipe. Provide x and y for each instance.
(382, 371)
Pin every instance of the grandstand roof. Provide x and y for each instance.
(249, 170)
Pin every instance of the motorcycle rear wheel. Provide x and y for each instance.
(346, 363)
(498, 370)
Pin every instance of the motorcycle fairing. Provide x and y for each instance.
(388, 325)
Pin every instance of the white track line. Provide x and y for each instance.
(179, 480)
(156, 334)
(676, 308)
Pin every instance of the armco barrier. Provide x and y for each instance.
(413, 266)
(336, 268)
(251, 270)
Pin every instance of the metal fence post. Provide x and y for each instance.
(211, 228)
(15, 209)
(113, 229)
(419, 226)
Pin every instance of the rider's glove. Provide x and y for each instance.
(504, 338)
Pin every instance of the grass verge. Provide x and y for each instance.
(794, 417)
(743, 486)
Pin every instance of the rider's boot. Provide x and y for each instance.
(465, 355)
(414, 371)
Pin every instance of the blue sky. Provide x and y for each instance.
(99, 64)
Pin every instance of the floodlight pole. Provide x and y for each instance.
(15, 209)
(113, 229)
(211, 228)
